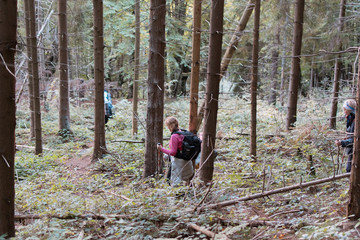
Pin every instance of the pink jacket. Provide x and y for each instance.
(174, 144)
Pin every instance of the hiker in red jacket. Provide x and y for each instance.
(181, 170)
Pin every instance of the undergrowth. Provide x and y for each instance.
(110, 200)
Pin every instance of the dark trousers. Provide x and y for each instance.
(349, 162)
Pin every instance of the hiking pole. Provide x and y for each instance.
(158, 158)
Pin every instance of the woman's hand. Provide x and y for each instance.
(159, 147)
(338, 143)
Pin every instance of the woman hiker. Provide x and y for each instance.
(181, 170)
(349, 111)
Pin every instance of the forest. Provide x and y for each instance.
(266, 85)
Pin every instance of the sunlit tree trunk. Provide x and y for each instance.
(36, 79)
(353, 208)
(230, 50)
(337, 68)
(29, 69)
(295, 64)
(212, 90)
(8, 26)
(195, 66)
(64, 108)
(99, 141)
(136, 69)
(254, 78)
(155, 104)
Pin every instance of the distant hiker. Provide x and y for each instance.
(108, 106)
(181, 170)
(349, 111)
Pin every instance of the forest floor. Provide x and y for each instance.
(63, 195)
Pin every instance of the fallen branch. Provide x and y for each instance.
(70, 216)
(202, 230)
(202, 200)
(119, 195)
(276, 191)
(286, 212)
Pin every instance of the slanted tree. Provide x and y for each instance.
(254, 78)
(155, 85)
(36, 79)
(195, 66)
(8, 27)
(64, 107)
(337, 68)
(136, 69)
(295, 64)
(230, 50)
(99, 140)
(212, 91)
(353, 208)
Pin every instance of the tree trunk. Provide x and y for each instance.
(195, 67)
(283, 57)
(353, 208)
(136, 69)
(295, 64)
(274, 68)
(99, 141)
(155, 104)
(64, 113)
(229, 52)
(8, 27)
(212, 90)
(29, 68)
(338, 64)
(36, 83)
(254, 78)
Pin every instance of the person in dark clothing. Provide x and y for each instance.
(108, 106)
(349, 111)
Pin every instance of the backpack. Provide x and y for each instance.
(191, 145)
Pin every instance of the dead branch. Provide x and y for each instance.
(202, 200)
(202, 230)
(70, 216)
(286, 212)
(119, 195)
(276, 191)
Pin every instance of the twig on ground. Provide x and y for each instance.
(203, 199)
(202, 230)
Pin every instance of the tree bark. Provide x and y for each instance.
(99, 141)
(254, 78)
(353, 208)
(29, 68)
(64, 113)
(229, 52)
(337, 68)
(8, 27)
(36, 80)
(155, 104)
(295, 64)
(212, 90)
(195, 67)
(136, 69)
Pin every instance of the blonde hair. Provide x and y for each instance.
(172, 123)
(350, 103)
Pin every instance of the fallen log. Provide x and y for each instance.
(272, 192)
(70, 216)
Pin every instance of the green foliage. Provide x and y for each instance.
(53, 184)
